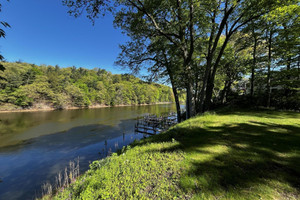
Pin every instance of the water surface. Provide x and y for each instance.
(35, 146)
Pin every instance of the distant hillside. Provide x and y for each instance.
(24, 85)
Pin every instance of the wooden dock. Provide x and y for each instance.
(152, 124)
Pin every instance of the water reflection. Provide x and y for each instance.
(34, 147)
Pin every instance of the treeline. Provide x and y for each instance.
(259, 69)
(28, 85)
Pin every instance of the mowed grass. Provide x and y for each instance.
(228, 155)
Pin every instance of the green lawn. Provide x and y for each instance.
(228, 155)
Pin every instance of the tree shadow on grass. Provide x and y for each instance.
(240, 159)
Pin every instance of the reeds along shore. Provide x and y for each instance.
(63, 179)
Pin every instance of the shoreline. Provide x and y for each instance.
(157, 154)
(48, 109)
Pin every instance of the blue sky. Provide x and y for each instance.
(42, 32)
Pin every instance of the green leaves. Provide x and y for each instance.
(2, 35)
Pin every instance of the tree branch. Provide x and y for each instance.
(160, 31)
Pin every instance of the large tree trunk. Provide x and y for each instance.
(227, 91)
(288, 77)
(189, 101)
(288, 68)
(224, 92)
(196, 91)
(208, 64)
(298, 67)
(177, 103)
(253, 64)
(204, 86)
(174, 88)
(187, 60)
(211, 78)
(209, 93)
(269, 70)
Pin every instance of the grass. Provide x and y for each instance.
(228, 155)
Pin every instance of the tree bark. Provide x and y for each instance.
(288, 67)
(288, 77)
(208, 63)
(177, 103)
(269, 69)
(224, 92)
(298, 67)
(189, 101)
(227, 91)
(253, 64)
(187, 60)
(204, 86)
(174, 88)
(210, 84)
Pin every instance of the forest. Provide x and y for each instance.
(219, 52)
(30, 86)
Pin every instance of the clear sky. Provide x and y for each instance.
(42, 32)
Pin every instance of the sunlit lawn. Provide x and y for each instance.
(229, 155)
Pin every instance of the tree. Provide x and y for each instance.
(160, 61)
(2, 35)
(191, 34)
(253, 38)
(150, 20)
(285, 51)
(227, 17)
(233, 65)
(287, 42)
(183, 25)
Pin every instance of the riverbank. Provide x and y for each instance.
(39, 108)
(228, 155)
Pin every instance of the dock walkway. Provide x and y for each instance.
(152, 124)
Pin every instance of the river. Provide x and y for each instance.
(36, 146)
